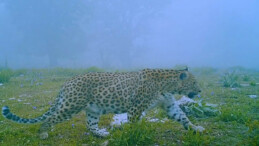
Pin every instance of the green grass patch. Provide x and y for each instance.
(5, 75)
(140, 133)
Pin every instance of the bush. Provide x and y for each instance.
(5, 75)
(252, 83)
(230, 79)
(246, 78)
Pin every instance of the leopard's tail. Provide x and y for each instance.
(7, 114)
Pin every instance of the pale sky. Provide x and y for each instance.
(130, 33)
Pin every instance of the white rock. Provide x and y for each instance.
(252, 96)
(211, 105)
(12, 98)
(25, 95)
(27, 103)
(1, 84)
(119, 119)
(244, 85)
(19, 100)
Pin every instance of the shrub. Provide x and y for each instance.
(230, 79)
(252, 83)
(246, 78)
(5, 75)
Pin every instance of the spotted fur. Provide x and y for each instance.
(101, 93)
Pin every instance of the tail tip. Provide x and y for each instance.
(5, 110)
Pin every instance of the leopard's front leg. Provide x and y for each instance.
(175, 112)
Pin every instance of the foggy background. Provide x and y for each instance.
(129, 33)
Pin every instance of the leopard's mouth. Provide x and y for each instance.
(191, 94)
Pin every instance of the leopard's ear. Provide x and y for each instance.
(186, 69)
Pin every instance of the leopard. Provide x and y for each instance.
(99, 93)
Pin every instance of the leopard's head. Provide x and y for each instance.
(173, 81)
(187, 84)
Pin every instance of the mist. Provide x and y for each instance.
(129, 34)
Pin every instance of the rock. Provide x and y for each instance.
(27, 103)
(119, 119)
(12, 98)
(1, 84)
(244, 85)
(19, 100)
(252, 96)
(24, 95)
(211, 105)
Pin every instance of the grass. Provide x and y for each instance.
(5, 75)
(140, 133)
(235, 124)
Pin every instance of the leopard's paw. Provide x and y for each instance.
(44, 135)
(199, 128)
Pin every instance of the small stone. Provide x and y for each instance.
(12, 98)
(86, 133)
(1, 84)
(19, 100)
(27, 103)
(252, 96)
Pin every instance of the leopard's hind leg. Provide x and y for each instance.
(93, 114)
(57, 116)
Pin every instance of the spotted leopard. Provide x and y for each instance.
(130, 92)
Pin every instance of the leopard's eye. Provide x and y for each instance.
(183, 76)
